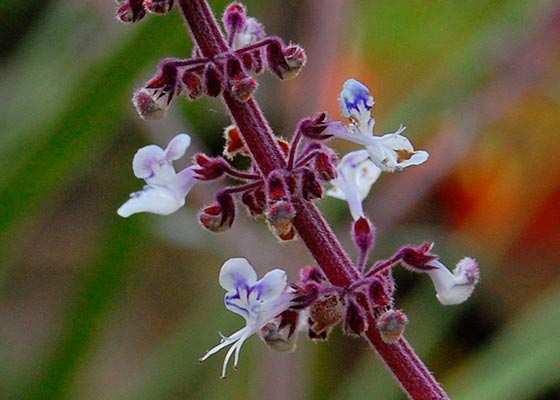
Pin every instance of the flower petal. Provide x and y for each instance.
(454, 288)
(177, 147)
(153, 199)
(236, 273)
(271, 285)
(355, 99)
(144, 160)
(394, 152)
(356, 175)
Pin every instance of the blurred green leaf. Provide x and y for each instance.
(123, 249)
(69, 146)
(520, 362)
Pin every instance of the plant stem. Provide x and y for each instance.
(408, 370)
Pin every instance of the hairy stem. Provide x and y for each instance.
(408, 370)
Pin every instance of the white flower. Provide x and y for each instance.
(454, 288)
(165, 189)
(259, 302)
(390, 152)
(356, 173)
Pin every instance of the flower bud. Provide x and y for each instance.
(213, 80)
(255, 201)
(148, 105)
(363, 234)
(276, 186)
(391, 325)
(158, 6)
(257, 64)
(218, 217)
(325, 166)
(243, 89)
(355, 322)
(296, 59)
(275, 58)
(192, 83)
(211, 218)
(234, 18)
(311, 188)
(280, 216)
(378, 294)
(312, 274)
(131, 11)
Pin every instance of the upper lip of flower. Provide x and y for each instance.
(258, 302)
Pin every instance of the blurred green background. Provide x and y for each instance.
(93, 306)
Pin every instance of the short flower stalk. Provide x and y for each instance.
(281, 185)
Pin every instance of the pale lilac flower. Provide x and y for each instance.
(454, 288)
(259, 302)
(390, 152)
(355, 175)
(165, 189)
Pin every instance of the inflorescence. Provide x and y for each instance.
(271, 307)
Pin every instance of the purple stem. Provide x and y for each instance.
(408, 370)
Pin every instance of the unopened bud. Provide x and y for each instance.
(243, 89)
(131, 11)
(275, 58)
(255, 201)
(158, 6)
(280, 216)
(363, 234)
(379, 295)
(213, 80)
(296, 59)
(355, 322)
(218, 217)
(325, 166)
(311, 188)
(312, 274)
(211, 218)
(391, 325)
(276, 186)
(193, 84)
(148, 105)
(234, 18)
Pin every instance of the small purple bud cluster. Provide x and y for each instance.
(327, 305)
(274, 196)
(250, 51)
(135, 10)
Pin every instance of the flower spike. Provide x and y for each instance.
(259, 302)
(165, 189)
